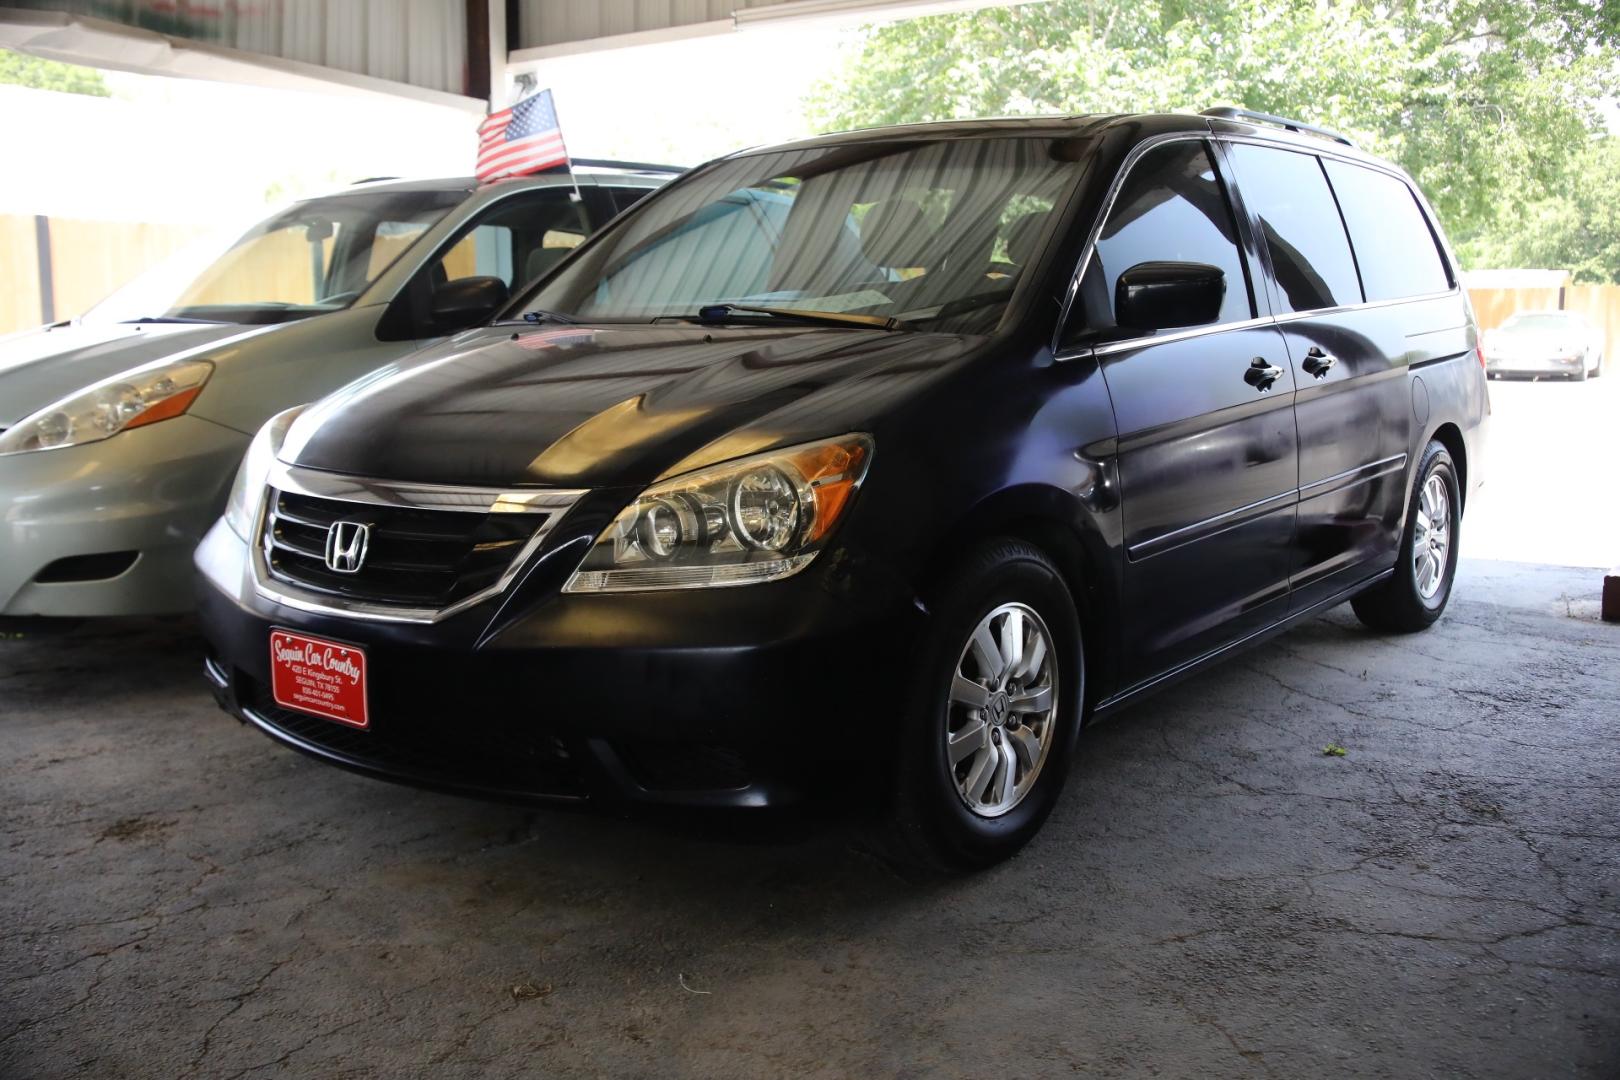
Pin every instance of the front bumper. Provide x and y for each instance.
(151, 492)
(1533, 365)
(746, 696)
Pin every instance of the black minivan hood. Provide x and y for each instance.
(613, 406)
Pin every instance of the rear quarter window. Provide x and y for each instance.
(1395, 248)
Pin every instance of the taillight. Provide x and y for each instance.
(1479, 351)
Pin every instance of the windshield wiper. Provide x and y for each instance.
(145, 320)
(717, 313)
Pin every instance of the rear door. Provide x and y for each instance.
(1354, 404)
(1207, 452)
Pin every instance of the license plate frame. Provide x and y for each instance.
(320, 677)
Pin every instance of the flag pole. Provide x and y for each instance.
(568, 159)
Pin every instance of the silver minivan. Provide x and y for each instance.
(120, 431)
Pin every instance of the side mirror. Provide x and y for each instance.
(466, 302)
(1163, 295)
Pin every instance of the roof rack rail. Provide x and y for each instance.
(628, 166)
(372, 179)
(1228, 112)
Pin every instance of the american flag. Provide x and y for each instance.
(521, 139)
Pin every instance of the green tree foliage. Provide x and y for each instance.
(19, 69)
(1576, 229)
(1492, 105)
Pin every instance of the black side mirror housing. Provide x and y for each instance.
(466, 302)
(1165, 295)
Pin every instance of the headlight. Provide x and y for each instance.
(756, 519)
(247, 492)
(134, 399)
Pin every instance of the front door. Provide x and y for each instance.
(1208, 454)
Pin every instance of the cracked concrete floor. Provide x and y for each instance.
(1213, 898)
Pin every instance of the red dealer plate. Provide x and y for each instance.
(313, 675)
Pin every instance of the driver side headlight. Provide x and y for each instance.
(247, 492)
(759, 518)
(133, 399)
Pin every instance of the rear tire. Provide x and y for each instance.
(1597, 366)
(962, 803)
(1415, 595)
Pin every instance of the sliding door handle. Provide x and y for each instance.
(1262, 374)
(1318, 363)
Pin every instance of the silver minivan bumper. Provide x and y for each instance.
(153, 491)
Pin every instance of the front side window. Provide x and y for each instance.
(934, 234)
(1170, 208)
(1310, 254)
(1395, 248)
(517, 240)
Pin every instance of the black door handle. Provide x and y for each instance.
(1261, 374)
(1318, 363)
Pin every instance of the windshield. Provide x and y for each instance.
(314, 257)
(1554, 321)
(932, 234)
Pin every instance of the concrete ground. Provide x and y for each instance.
(1215, 896)
(1552, 461)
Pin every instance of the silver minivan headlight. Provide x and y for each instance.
(132, 399)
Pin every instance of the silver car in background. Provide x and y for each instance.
(121, 431)
(1543, 343)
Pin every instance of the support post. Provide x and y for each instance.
(47, 273)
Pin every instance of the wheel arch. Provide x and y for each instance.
(1067, 531)
(1450, 436)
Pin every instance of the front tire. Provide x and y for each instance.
(997, 693)
(1416, 594)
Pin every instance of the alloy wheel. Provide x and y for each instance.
(1431, 540)
(1000, 721)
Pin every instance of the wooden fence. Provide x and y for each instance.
(83, 260)
(1599, 303)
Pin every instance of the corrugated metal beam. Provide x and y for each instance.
(552, 28)
(401, 48)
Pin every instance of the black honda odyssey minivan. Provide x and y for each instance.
(869, 466)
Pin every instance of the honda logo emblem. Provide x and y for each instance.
(346, 543)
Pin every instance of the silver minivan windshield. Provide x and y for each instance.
(932, 234)
(315, 256)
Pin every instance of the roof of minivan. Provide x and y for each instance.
(583, 174)
(1070, 126)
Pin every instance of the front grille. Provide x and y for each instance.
(417, 557)
(416, 737)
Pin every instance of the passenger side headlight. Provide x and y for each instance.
(133, 399)
(247, 491)
(756, 519)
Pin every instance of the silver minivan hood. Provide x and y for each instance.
(40, 366)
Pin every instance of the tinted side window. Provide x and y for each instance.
(1304, 233)
(1394, 246)
(1171, 208)
(517, 240)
